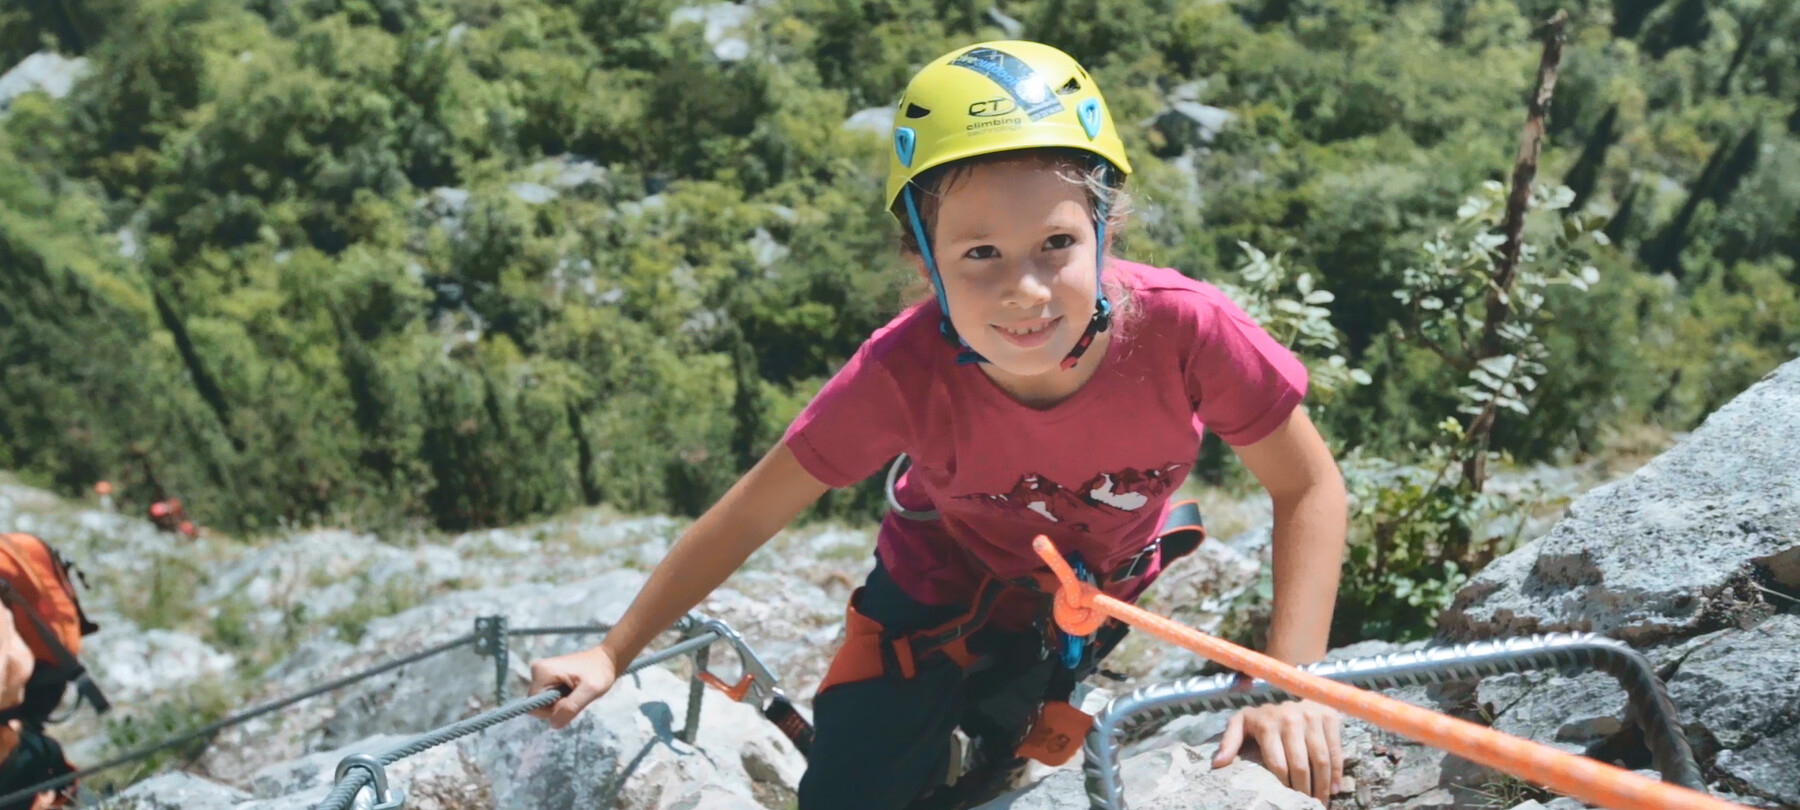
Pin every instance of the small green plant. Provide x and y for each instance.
(231, 624)
(200, 704)
(1290, 306)
(1416, 535)
(163, 598)
(391, 597)
(1477, 301)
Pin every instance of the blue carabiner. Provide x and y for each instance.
(1074, 646)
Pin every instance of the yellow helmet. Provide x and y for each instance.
(994, 97)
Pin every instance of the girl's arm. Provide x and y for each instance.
(1307, 490)
(1301, 742)
(760, 504)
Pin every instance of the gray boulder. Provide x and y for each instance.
(1771, 766)
(1671, 551)
(1190, 123)
(533, 193)
(568, 173)
(1178, 777)
(50, 73)
(622, 752)
(177, 791)
(1569, 713)
(1740, 697)
(723, 25)
(879, 120)
(135, 664)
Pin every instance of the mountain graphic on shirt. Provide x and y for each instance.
(1107, 494)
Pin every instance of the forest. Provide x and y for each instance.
(444, 264)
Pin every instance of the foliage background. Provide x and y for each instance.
(274, 256)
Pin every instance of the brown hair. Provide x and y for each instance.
(1103, 183)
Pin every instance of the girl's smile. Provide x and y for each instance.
(1029, 334)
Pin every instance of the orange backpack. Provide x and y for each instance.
(35, 586)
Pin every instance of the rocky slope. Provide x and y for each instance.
(1695, 559)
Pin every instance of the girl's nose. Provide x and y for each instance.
(1030, 288)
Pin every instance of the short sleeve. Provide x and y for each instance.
(855, 424)
(1242, 382)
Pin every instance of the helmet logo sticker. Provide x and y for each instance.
(1026, 87)
(904, 139)
(1089, 113)
(991, 107)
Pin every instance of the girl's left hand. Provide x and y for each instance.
(1301, 743)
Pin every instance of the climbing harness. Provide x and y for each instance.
(1182, 532)
(1053, 735)
(1080, 608)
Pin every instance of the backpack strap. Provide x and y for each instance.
(66, 664)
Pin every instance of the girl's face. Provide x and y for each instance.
(1015, 247)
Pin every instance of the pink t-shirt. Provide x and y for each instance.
(1093, 473)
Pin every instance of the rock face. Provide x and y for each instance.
(622, 753)
(178, 791)
(1676, 549)
(723, 25)
(877, 120)
(1191, 123)
(1179, 777)
(136, 663)
(1695, 559)
(51, 73)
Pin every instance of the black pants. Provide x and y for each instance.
(38, 759)
(882, 743)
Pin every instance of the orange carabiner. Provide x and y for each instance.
(736, 693)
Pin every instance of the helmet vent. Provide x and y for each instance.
(916, 111)
(1073, 86)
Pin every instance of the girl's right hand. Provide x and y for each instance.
(587, 675)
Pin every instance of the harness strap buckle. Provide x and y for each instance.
(1139, 564)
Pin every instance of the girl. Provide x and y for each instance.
(1068, 402)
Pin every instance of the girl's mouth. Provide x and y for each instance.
(1028, 334)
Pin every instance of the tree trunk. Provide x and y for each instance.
(1498, 296)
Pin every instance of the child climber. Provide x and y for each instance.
(1046, 388)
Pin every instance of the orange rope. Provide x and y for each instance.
(1081, 609)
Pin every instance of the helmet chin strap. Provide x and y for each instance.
(1103, 312)
(966, 355)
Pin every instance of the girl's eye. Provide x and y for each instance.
(982, 252)
(1060, 241)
